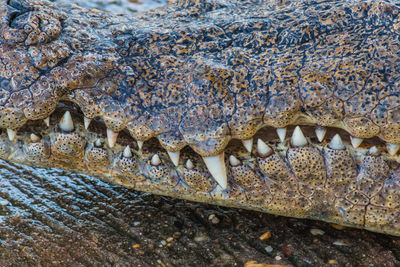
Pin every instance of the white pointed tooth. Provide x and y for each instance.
(34, 138)
(66, 123)
(155, 160)
(336, 142)
(217, 168)
(234, 161)
(140, 144)
(97, 143)
(373, 150)
(298, 138)
(355, 141)
(174, 156)
(11, 134)
(127, 152)
(111, 137)
(281, 134)
(86, 122)
(248, 144)
(189, 164)
(392, 148)
(262, 148)
(320, 133)
(47, 121)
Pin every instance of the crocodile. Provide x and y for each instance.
(285, 107)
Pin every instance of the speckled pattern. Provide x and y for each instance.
(195, 77)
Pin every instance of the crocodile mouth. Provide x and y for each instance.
(68, 130)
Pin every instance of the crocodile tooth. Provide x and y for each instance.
(47, 121)
(336, 142)
(155, 160)
(217, 168)
(392, 148)
(66, 123)
(320, 133)
(97, 143)
(11, 134)
(111, 137)
(34, 138)
(234, 161)
(127, 152)
(174, 156)
(189, 165)
(86, 121)
(298, 138)
(262, 148)
(140, 144)
(373, 150)
(281, 133)
(355, 141)
(248, 144)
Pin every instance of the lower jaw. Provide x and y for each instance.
(305, 186)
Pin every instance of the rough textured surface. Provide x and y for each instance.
(196, 77)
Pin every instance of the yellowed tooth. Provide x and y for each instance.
(47, 121)
(111, 137)
(355, 141)
(86, 122)
(234, 161)
(248, 144)
(336, 142)
(174, 156)
(373, 150)
(34, 138)
(140, 144)
(281, 134)
(97, 143)
(11, 134)
(320, 133)
(127, 152)
(66, 123)
(217, 168)
(155, 160)
(189, 165)
(262, 148)
(392, 148)
(298, 138)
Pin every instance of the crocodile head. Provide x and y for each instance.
(170, 101)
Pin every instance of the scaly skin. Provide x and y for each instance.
(195, 77)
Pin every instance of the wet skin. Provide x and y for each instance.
(170, 102)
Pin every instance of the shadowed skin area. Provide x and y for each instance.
(196, 77)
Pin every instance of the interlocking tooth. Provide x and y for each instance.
(47, 121)
(320, 133)
(66, 123)
(392, 148)
(298, 138)
(189, 165)
(248, 144)
(174, 156)
(127, 152)
(140, 144)
(217, 168)
(11, 134)
(155, 160)
(355, 141)
(373, 150)
(111, 137)
(262, 148)
(86, 122)
(281, 134)
(234, 161)
(34, 138)
(336, 142)
(97, 143)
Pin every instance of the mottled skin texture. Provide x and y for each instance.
(196, 77)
